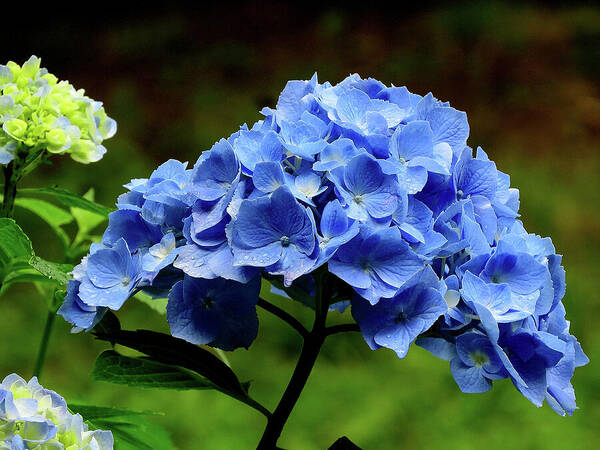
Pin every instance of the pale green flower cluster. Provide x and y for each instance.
(39, 112)
(32, 417)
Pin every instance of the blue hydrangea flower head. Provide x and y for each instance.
(368, 183)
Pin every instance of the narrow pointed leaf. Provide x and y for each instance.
(170, 350)
(68, 198)
(115, 368)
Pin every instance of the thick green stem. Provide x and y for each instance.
(24, 162)
(11, 178)
(41, 358)
(308, 356)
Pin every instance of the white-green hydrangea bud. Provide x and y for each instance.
(37, 111)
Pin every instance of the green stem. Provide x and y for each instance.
(11, 178)
(277, 420)
(24, 162)
(308, 356)
(39, 364)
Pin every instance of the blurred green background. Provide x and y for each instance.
(176, 81)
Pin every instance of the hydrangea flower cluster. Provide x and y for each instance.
(34, 417)
(39, 111)
(377, 186)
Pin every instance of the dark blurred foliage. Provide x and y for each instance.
(177, 80)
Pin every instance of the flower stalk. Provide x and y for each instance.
(12, 175)
(308, 356)
(43, 349)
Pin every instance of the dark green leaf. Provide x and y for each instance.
(108, 324)
(68, 198)
(171, 350)
(89, 412)
(142, 372)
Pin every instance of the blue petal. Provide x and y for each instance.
(449, 125)
(519, 270)
(268, 176)
(108, 267)
(334, 220)
(469, 379)
(392, 259)
(352, 106)
(188, 321)
(412, 140)
(253, 224)
(363, 175)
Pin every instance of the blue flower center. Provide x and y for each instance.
(285, 241)
(479, 358)
(358, 199)
(401, 317)
(460, 194)
(208, 303)
(125, 281)
(365, 264)
(496, 278)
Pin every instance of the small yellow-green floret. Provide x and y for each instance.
(39, 112)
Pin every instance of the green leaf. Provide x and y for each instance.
(24, 275)
(68, 198)
(54, 271)
(49, 213)
(135, 433)
(57, 299)
(89, 412)
(14, 243)
(142, 372)
(86, 220)
(108, 324)
(171, 350)
(15, 248)
(130, 429)
(22, 272)
(18, 262)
